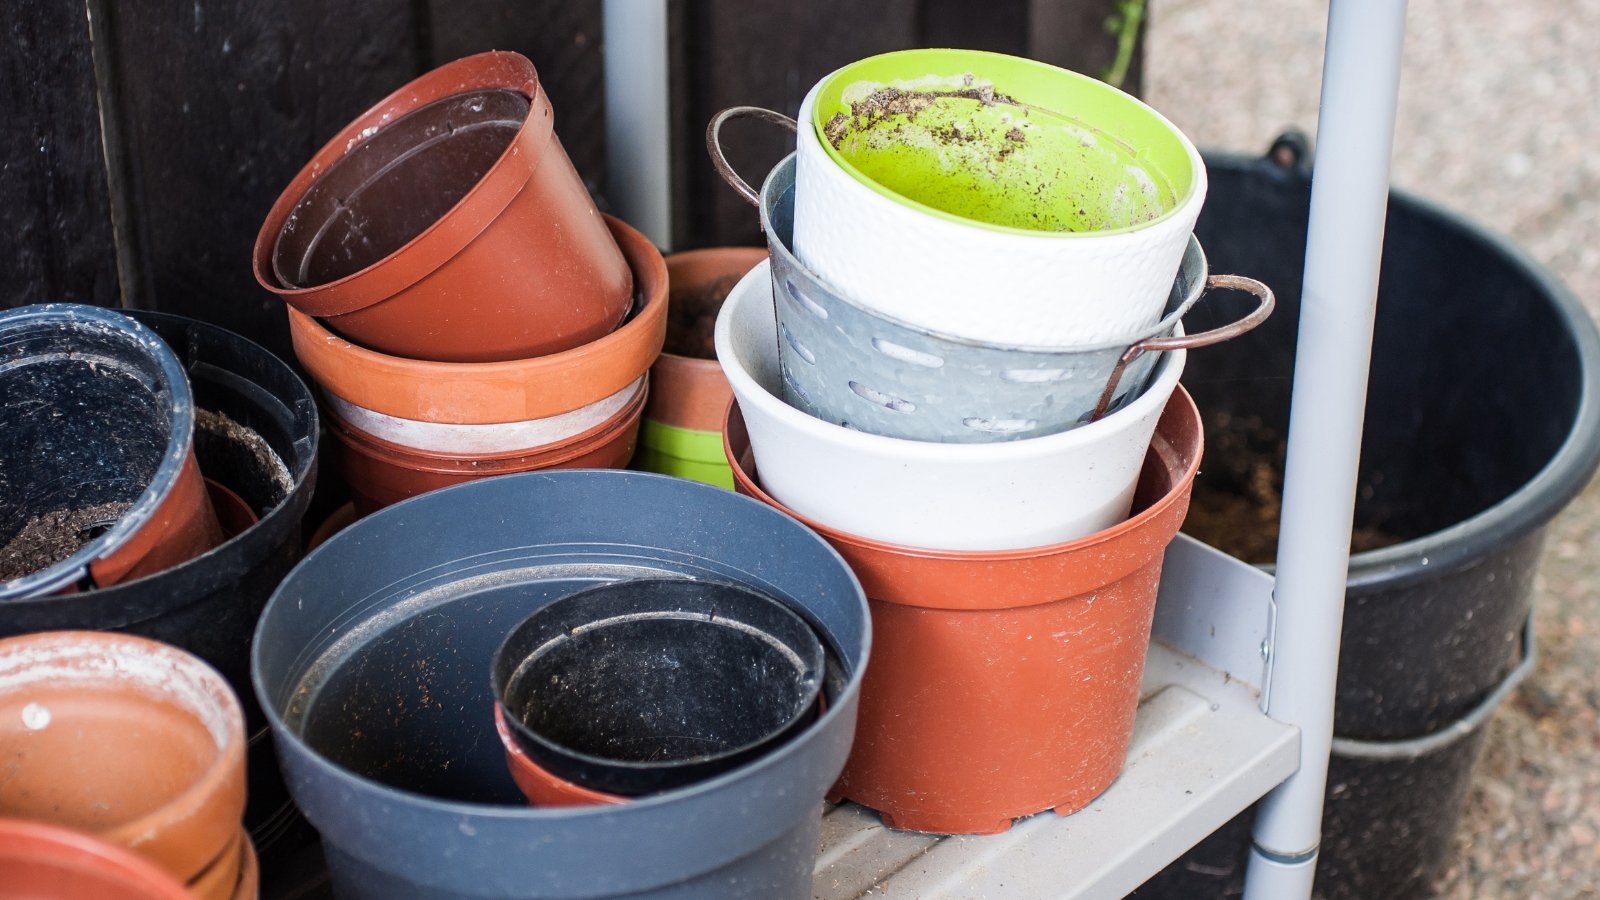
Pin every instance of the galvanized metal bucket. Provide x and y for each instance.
(861, 369)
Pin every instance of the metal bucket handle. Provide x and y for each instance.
(1263, 294)
(719, 159)
(1264, 306)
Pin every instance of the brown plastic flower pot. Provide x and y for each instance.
(183, 527)
(249, 886)
(126, 738)
(682, 430)
(1005, 683)
(539, 785)
(490, 393)
(380, 472)
(447, 223)
(39, 861)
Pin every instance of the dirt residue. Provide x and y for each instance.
(692, 318)
(1239, 513)
(885, 103)
(266, 459)
(49, 538)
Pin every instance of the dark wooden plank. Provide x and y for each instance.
(58, 243)
(763, 53)
(563, 38)
(222, 101)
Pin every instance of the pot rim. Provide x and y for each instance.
(180, 435)
(916, 68)
(518, 761)
(54, 654)
(452, 231)
(57, 844)
(520, 389)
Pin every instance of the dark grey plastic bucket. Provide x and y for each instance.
(373, 661)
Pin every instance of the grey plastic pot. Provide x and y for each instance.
(373, 657)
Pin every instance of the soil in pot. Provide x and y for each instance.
(50, 537)
(692, 317)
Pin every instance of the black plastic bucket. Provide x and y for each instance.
(648, 684)
(256, 434)
(1482, 423)
(373, 662)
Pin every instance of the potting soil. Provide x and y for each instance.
(48, 538)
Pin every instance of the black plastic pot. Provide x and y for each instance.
(1481, 425)
(256, 434)
(97, 439)
(372, 661)
(649, 684)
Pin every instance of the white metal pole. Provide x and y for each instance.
(638, 133)
(1349, 198)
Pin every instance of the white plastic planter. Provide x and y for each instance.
(996, 283)
(999, 496)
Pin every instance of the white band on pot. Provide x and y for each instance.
(505, 437)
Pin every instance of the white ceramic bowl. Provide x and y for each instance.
(990, 284)
(506, 437)
(1002, 496)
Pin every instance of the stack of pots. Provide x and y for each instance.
(956, 366)
(134, 742)
(113, 394)
(666, 671)
(456, 295)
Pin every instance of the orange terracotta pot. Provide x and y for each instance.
(380, 473)
(691, 391)
(497, 392)
(537, 783)
(126, 738)
(1004, 683)
(234, 515)
(48, 862)
(218, 880)
(447, 223)
(249, 886)
(183, 526)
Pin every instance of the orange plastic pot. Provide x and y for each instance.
(1004, 683)
(183, 527)
(48, 862)
(497, 392)
(218, 880)
(537, 783)
(337, 521)
(447, 223)
(249, 886)
(682, 430)
(380, 472)
(126, 738)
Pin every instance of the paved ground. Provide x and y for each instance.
(1498, 118)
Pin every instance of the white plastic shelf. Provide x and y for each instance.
(1202, 752)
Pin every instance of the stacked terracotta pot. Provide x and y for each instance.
(133, 742)
(455, 293)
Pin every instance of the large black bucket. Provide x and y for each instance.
(1481, 425)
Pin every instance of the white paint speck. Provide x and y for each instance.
(35, 717)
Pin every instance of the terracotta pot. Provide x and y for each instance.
(129, 739)
(380, 472)
(488, 393)
(234, 515)
(682, 430)
(249, 886)
(1004, 683)
(536, 783)
(447, 223)
(97, 440)
(218, 880)
(48, 862)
